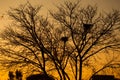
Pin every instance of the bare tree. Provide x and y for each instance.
(68, 41)
(90, 34)
(25, 39)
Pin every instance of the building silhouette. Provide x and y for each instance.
(39, 77)
(104, 77)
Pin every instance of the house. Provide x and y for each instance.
(104, 77)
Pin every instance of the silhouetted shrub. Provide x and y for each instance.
(11, 75)
(18, 75)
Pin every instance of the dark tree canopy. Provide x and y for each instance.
(72, 39)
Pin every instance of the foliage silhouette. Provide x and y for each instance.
(18, 75)
(11, 75)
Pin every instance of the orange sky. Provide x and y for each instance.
(103, 5)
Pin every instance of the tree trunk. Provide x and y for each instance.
(76, 72)
(80, 71)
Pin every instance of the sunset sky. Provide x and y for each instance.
(103, 5)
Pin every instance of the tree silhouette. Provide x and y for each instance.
(18, 75)
(11, 75)
(90, 34)
(72, 39)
